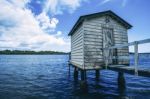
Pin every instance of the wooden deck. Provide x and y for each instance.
(134, 70)
(129, 70)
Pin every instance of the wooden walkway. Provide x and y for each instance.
(129, 70)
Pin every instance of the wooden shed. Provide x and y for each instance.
(92, 33)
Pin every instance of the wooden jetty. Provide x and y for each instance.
(100, 41)
(126, 68)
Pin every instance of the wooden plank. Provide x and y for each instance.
(129, 70)
(143, 41)
(78, 30)
(76, 65)
(77, 59)
(90, 29)
(93, 43)
(91, 47)
(98, 37)
(76, 39)
(121, 36)
(93, 67)
(136, 58)
(77, 36)
(120, 39)
(92, 32)
(77, 45)
(77, 49)
(130, 44)
(77, 54)
(88, 57)
(92, 60)
(92, 26)
(90, 50)
(93, 40)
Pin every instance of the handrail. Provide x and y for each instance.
(136, 56)
(129, 44)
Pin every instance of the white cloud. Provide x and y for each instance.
(47, 23)
(105, 1)
(19, 3)
(20, 29)
(124, 2)
(58, 6)
(59, 33)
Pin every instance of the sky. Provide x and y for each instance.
(45, 24)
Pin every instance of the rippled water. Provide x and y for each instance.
(47, 77)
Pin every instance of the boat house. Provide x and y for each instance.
(94, 32)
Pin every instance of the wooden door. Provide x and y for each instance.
(108, 42)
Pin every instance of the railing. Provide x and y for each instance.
(136, 56)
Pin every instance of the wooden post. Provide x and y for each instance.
(69, 63)
(69, 70)
(97, 74)
(121, 80)
(83, 75)
(136, 57)
(75, 73)
(83, 83)
(115, 54)
(106, 56)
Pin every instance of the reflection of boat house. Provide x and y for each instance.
(92, 33)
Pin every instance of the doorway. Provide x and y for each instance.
(108, 41)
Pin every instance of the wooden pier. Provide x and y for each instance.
(129, 70)
(126, 68)
(121, 69)
(99, 41)
(133, 70)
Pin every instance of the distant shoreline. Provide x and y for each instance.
(18, 52)
(34, 54)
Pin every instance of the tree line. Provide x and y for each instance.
(19, 52)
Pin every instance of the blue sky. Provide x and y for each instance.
(44, 24)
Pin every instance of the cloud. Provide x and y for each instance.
(59, 33)
(47, 23)
(124, 2)
(21, 29)
(58, 6)
(19, 3)
(105, 1)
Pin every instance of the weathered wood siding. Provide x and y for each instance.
(93, 40)
(77, 47)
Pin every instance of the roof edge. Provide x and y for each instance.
(81, 18)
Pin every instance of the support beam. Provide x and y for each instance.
(83, 75)
(69, 70)
(83, 83)
(129, 70)
(97, 74)
(121, 81)
(136, 57)
(75, 73)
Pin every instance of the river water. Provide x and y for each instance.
(47, 77)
